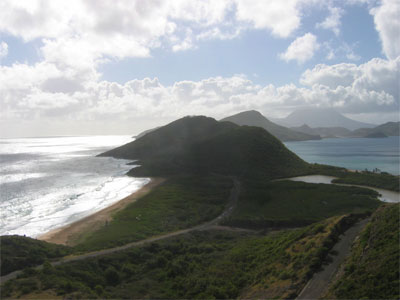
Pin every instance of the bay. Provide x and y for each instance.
(352, 153)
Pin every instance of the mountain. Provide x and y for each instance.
(321, 117)
(143, 133)
(324, 132)
(387, 129)
(254, 118)
(204, 145)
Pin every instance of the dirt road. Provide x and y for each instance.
(320, 281)
(233, 198)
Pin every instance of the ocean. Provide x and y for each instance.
(46, 183)
(352, 153)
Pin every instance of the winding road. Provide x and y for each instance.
(233, 199)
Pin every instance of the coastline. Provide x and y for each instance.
(71, 233)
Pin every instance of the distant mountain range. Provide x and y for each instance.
(387, 129)
(324, 132)
(255, 118)
(384, 130)
(320, 117)
(314, 124)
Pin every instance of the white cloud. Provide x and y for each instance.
(46, 93)
(332, 22)
(3, 49)
(387, 23)
(281, 17)
(301, 49)
(369, 87)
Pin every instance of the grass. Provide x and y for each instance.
(288, 203)
(180, 202)
(205, 264)
(372, 270)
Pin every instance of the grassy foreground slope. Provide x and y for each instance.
(372, 270)
(205, 264)
(287, 203)
(180, 202)
(18, 252)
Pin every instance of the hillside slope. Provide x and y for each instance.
(372, 270)
(203, 145)
(254, 118)
(387, 129)
(324, 132)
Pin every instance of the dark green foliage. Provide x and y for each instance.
(171, 140)
(246, 152)
(380, 180)
(112, 276)
(372, 270)
(204, 264)
(178, 203)
(203, 145)
(18, 252)
(290, 204)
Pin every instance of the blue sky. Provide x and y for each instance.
(253, 53)
(84, 67)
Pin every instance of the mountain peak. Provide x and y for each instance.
(255, 118)
(321, 117)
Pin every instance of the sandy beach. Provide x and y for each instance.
(71, 233)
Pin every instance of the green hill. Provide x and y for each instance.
(18, 252)
(388, 129)
(324, 132)
(254, 118)
(203, 145)
(372, 269)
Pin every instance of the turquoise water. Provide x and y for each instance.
(354, 153)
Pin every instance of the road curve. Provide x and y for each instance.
(233, 199)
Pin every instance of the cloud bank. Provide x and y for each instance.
(77, 36)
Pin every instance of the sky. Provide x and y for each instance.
(80, 67)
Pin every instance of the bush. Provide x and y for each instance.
(112, 276)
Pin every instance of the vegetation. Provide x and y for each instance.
(289, 203)
(18, 252)
(375, 178)
(388, 129)
(372, 270)
(380, 180)
(179, 203)
(200, 145)
(204, 264)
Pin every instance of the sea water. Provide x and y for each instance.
(46, 183)
(352, 153)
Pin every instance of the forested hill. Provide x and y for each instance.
(203, 145)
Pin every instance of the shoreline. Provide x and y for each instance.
(70, 234)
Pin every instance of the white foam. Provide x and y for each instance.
(66, 182)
